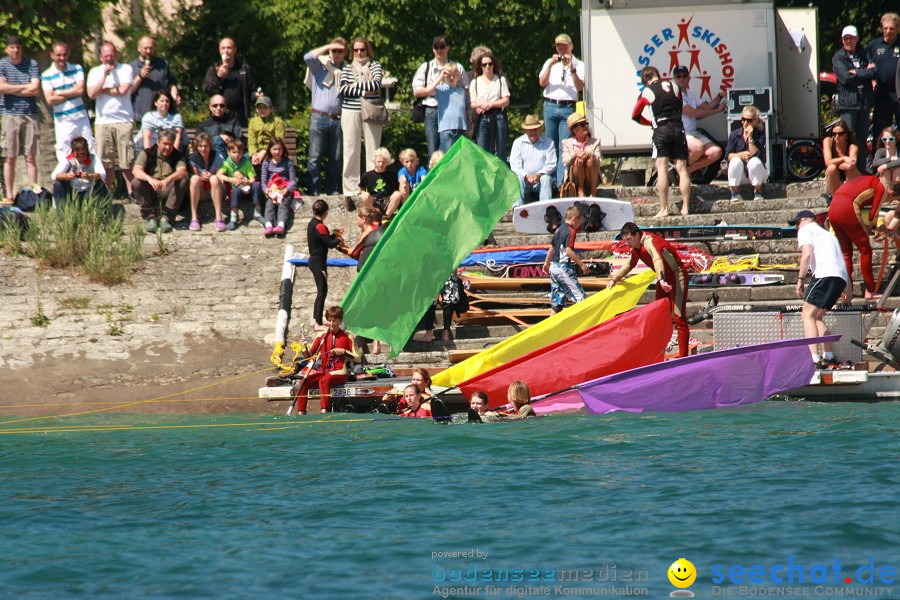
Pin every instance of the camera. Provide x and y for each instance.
(559, 58)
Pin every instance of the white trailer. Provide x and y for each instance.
(742, 45)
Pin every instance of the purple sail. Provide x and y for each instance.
(711, 380)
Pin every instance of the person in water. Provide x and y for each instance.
(336, 349)
(519, 396)
(417, 406)
(421, 379)
(479, 402)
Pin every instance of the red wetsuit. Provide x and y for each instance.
(661, 256)
(419, 413)
(859, 192)
(333, 370)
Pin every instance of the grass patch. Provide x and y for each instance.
(85, 235)
(75, 302)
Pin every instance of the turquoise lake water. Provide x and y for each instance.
(350, 507)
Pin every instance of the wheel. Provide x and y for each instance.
(804, 160)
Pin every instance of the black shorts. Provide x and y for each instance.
(670, 141)
(823, 293)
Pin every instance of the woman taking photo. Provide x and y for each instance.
(360, 79)
(489, 94)
(840, 151)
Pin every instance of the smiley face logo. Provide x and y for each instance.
(682, 573)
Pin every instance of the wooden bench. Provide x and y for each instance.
(290, 140)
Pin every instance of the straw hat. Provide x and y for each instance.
(532, 122)
(574, 119)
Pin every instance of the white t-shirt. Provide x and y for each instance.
(689, 99)
(827, 260)
(497, 89)
(561, 86)
(113, 109)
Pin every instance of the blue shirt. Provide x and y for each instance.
(528, 159)
(452, 103)
(20, 74)
(324, 98)
(71, 109)
(412, 179)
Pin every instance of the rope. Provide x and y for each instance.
(130, 404)
(93, 428)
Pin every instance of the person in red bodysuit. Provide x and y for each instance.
(661, 256)
(334, 348)
(848, 219)
(418, 407)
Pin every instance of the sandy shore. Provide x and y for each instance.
(213, 376)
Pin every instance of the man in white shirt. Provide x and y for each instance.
(702, 151)
(427, 73)
(821, 253)
(562, 78)
(533, 159)
(63, 85)
(110, 85)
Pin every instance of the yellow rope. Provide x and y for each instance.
(135, 403)
(277, 355)
(94, 428)
(732, 264)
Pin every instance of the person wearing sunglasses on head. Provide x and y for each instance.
(887, 166)
(854, 72)
(746, 154)
(427, 73)
(840, 151)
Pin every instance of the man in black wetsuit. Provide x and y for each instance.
(669, 140)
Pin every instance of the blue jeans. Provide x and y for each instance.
(62, 190)
(255, 195)
(555, 116)
(432, 138)
(544, 188)
(325, 139)
(564, 286)
(448, 138)
(501, 129)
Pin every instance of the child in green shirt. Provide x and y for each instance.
(238, 171)
(262, 128)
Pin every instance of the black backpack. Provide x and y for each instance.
(27, 199)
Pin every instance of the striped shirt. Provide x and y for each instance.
(23, 73)
(351, 89)
(71, 109)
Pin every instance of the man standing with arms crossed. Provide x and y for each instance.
(20, 82)
(63, 85)
(110, 85)
(821, 253)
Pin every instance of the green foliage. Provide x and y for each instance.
(39, 22)
(85, 235)
(273, 35)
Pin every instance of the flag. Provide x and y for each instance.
(447, 216)
(598, 308)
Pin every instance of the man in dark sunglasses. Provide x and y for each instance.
(222, 125)
(426, 74)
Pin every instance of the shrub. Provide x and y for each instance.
(87, 235)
